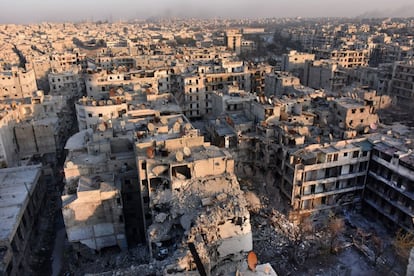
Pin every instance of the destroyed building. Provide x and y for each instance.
(99, 163)
(93, 215)
(390, 182)
(401, 86)
(17, 83)
(185, 185)
(175, 167)
(320, 177)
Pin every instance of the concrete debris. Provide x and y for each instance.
(161, 217)
(159, 170)
(221, 197)
(185, 221)
(206, 201)
(219, 231)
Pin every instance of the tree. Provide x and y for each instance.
(335, 228)
(299, 252)
(378, 248)
(403, 243)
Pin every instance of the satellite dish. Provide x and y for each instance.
(373, 126)
(151, 127)
(164, 120)
(252, 261)
(179, 156)
(150, 152)
(187, 151)
(176, 127)
(101, 127)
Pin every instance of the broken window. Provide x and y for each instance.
(159, 183)
(181, 172)
(329, 158)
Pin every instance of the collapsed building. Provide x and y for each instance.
(182, 190)
(190, 194)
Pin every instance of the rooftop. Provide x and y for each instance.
(16, 185)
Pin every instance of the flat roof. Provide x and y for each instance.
(16, 186)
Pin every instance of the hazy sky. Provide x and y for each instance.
(29, 11)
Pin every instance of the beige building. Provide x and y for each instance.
(233, 40)
(17, 84)
(98, 168)
(346, 58)
(294, 60)
(324, 74)
(93, 215)
(278, 83)
(67, 83)
(100, 83)
(8, 146)
(91, 112)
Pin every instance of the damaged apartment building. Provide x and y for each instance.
(189, 195)
(389, 192)
(314, 144)
(99, 161)
(32, 126)
(320, 161)
(136, 196)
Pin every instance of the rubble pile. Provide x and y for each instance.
(211, 212)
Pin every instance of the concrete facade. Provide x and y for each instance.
(390, 184)
(318, 177)
(402, 83)
(17, 84)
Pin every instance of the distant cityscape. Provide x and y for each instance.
(189, 146)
